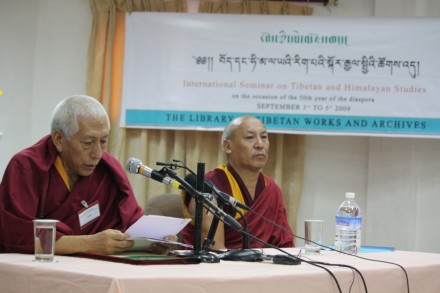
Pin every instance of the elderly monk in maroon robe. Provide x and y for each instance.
(246, 145)
(69, 177)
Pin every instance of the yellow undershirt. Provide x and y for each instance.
(235, 188)
(60, 168)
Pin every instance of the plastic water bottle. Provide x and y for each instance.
(348, 225)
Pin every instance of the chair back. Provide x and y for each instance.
(167, 204)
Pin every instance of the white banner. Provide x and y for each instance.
(352, 76)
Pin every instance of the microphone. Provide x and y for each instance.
(220, 195)
(135, 166)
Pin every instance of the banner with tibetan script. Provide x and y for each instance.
(298, 74)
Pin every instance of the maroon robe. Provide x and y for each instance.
(32, 188)
(268, 202)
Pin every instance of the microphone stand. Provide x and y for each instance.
(246, 233)
(215, 221)
(204, 256)
(212, 230)
(198, 217)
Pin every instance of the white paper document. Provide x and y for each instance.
(152, 228)
(158, 227)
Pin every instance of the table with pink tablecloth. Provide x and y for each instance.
(19, 273)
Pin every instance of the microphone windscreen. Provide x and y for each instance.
(132, 165)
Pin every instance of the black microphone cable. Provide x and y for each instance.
(387, 262)
(333, 249)
(296, 258)
(278, 259)
(246, 234)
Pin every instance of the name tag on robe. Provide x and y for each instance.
(88, 214)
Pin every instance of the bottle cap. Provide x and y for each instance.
(349, 195)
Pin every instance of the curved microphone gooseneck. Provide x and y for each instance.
(201, 200)
(222, 199)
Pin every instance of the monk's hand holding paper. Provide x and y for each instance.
(163, 248)
(109, 242)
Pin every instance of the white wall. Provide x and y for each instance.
(43, 59)
(396, 179)
(18, 21)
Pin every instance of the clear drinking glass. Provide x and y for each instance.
(44, 235)
(313, 236)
